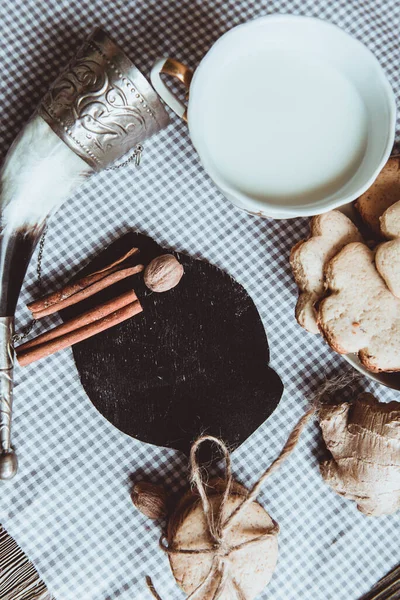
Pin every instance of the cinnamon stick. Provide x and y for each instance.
(94, 314)
(78, 335)
(72, 288)
(84, 292)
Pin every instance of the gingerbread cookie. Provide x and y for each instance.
(390, 221)
(251, 566)
(381, 195)
(387, 260)
(328, 234)
(361, 314)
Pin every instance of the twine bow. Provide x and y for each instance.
(220, 575)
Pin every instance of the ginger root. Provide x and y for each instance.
(364, 440)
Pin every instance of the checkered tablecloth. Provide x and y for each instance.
(69, 508)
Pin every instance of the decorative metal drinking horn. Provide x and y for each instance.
(98, 109)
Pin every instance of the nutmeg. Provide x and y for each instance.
(163, 273)
(150, 499)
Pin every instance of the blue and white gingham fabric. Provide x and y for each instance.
(69, 508)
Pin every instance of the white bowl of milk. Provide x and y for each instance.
(290, 115)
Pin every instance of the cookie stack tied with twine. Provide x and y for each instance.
(221, 544)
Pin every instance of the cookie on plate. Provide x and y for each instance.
(390, 221)
(387, 260)
(381, 195)
(328, 234)
(361, 314)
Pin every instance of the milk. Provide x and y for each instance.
(282, 126)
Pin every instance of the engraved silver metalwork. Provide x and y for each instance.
(101, 106)
(8, 458)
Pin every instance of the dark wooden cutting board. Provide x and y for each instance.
(195, 361)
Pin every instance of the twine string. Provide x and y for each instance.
(214, 525)
(222, 578)
(240, 593)
(151, 587)
(220, 573)
(214, 574)
(286, 451)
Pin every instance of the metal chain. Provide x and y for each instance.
(136, 156)
(18, 337)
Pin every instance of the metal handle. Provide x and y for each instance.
(170, 66)
(8, 458)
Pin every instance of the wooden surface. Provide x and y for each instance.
(388, 588)
(196, 359)
(19, 579)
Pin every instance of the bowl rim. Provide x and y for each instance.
(276, 210)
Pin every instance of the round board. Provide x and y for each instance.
(194, 361)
